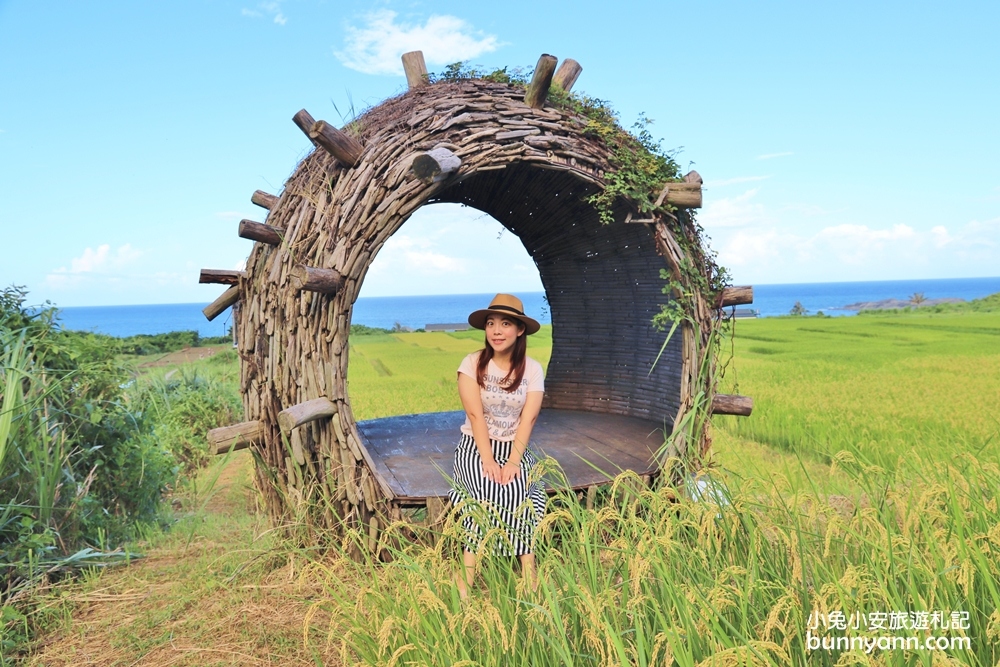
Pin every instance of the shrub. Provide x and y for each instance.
(73, 467)
(185, 407)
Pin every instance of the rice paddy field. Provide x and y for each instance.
(887, 388)
(397, 374)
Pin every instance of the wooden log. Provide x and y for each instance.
(415, 69)
(629, 219)
(735, 296)
(567, 74)
(298, 453)
(682, 195)
(435, 511)
(220, 276)
(297, 415)
(305, 123)
(538, 89)
(732, 404)
(236, 436)
(264, 199)
(435, 165)
(313, 279)
(693, 177)
(228, 298)
(337, 143)
(256, 231)
(348, 465)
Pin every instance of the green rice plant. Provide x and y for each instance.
(885, 386)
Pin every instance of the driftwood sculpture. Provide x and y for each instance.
(501, 149)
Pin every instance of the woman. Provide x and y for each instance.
(501, 390)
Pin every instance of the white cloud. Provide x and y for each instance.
(228, 215)
(100, 262)
(418, 256)
(767, 253)
(375, 47)
(732, 212)
(751, 247)
(941, 236)
(102, 259)
(858, 244)
(266, 9)
(771, 156)
(451, 249)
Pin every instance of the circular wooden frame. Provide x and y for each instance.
(531, 167)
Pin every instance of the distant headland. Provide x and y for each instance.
(887, 304)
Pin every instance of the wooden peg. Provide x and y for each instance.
(538, 89)
(567, 74)
(264, 199)
(235, 436)
(228, 298)
(415, 69)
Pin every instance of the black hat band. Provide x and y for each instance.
(513, 310)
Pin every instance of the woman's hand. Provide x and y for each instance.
(492, 470)
(509, 471)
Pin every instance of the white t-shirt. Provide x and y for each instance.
(502, 408)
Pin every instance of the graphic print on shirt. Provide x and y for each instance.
(502, 408)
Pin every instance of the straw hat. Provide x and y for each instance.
(507, 305)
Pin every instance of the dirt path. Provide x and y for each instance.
(181, 357)
(217, 589)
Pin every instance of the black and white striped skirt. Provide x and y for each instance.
(513, 509)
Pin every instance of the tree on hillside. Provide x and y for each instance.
(798, 309)
(917, 298)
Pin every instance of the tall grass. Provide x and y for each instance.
(182, 405)
(646, 580)
(73, 477)
(14, 364)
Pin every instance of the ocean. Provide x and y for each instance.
(418, 311)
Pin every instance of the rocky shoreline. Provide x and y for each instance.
(886, 304)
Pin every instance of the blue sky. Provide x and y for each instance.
(838, 141)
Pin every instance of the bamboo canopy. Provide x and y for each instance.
(530, 165)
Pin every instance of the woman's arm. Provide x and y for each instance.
(472, 402)
(529, 415)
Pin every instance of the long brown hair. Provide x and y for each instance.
(516, 373)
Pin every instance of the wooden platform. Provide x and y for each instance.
(414, 452)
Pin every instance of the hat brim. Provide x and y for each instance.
(478, 319)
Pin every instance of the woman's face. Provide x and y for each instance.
(502, 333)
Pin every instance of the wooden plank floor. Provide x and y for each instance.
(413, 453)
